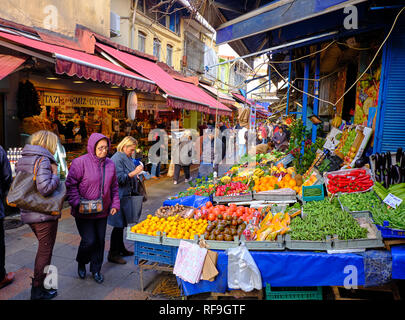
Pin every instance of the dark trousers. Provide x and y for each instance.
(91, 249)
(177, 168)
(46, 235)
(2, 251)
(117, 240)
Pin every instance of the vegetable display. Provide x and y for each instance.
(349, 181)
(359, 201)
(395, 217)
(224, 229)
(397, 190)
(177, 209)
(219, 212)
(232, 188)
(324, 219)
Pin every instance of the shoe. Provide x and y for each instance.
(155, 178)
(174, 182)
(115, 258)
(81, 270)
(7, 279)
(126, 253)
(98, 277)
(40, 293)
(187, 180)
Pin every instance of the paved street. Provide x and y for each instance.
(121, 281)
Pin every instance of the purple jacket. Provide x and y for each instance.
(84, 180)
(46, 181)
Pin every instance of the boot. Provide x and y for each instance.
(40, 293)
(115, 258)
(126, 253)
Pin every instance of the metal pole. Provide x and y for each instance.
(288, 84)
(305, 100)
(316, 94)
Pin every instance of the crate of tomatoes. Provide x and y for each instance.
(217, 212)
(349, 181)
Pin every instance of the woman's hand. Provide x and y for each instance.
(113, 211)
(135, 172)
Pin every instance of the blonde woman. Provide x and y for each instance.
(130, 198)
(39, 152)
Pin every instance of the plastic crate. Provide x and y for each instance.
(274, 196)
(388, 233)
(154, 253)
(143, 237)
(228, 199)
(314, 198)
(293, 293)
(307, 244)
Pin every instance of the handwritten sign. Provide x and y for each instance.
(392, 201)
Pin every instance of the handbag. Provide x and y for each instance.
(93, 206)
(25, 195)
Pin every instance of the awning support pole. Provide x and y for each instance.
(288, 84)
(316, 94)
(305, 100)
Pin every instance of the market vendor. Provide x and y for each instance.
(280, 139)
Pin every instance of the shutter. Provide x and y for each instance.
(391, 134)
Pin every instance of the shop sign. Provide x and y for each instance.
(67, 100)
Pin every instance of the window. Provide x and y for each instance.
(156, 48)
(141, 41)
(169, 55)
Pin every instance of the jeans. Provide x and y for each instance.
(155, 171)
(2, 251)
(91, 249)
(46, 235)
(177, 168)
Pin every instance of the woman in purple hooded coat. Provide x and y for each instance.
(84, 182)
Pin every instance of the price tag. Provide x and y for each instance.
(392, 201)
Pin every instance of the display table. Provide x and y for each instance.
(298, 269)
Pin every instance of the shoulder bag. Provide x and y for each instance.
(93, 206)
(24, 194)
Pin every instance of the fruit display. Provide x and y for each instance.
(174, 227)
(231, 189)
(347, 181)
(359, 201)
(272, 226)
(225, 229)
(347, 141)
(389, 168)
(204, 190)
(268, 183)
(218, 212)
(177, 209)
(323, 219)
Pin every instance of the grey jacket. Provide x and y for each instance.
(46, 181)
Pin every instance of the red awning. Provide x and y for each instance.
(84, 65)
(179, 94)
(8, 64)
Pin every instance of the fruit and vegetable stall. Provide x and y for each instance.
(314, 224)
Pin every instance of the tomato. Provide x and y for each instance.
(208, 204)
(238, 214)
(252, 210)
(233, 206)
(211, 217)
(217, 211)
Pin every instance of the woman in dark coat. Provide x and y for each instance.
(40, 153)
(130, 198)
(84, 181)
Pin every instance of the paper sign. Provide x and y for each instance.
(392, 201)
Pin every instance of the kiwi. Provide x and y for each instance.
(211, 237)
(220, 237)
(228, 237)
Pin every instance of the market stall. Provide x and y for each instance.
(300, 230)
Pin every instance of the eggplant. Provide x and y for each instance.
(389, 160)
(360, 162)
(399, 156)
(396, 174)
(377, 170)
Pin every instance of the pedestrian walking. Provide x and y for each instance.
(131, 198)
(92, 192)
(5, 182)
(184, 153)
(38, 154)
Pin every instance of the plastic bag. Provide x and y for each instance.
(243, 272)
(189, 262)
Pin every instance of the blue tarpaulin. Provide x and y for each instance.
(289, 269)
(192, 201)
(398, 262)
